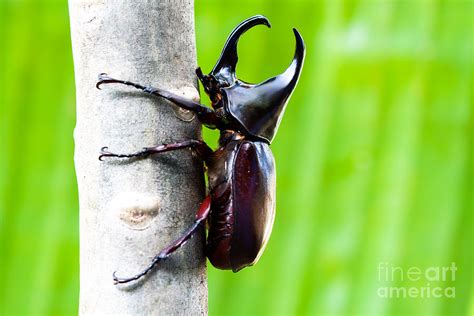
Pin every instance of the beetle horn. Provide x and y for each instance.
(260, 107)
(292, 73)
(225, 66)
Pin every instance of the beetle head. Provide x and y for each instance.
(211, 86)
(257, 108)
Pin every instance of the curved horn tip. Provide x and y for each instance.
(299, 39)
(297, 34)
(262, 19)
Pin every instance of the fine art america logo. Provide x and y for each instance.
(416, 282)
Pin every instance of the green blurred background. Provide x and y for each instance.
(374, 156)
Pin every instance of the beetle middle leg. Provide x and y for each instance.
(201, 216)
(200, 147)
(205, 115)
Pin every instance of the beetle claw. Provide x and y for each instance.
(104, 78)
(114, 277)
(101, 78)
(105, 153)
(118, 280)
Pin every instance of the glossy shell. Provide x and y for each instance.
(242, 185)
(259, 108)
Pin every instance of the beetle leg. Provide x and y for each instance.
(201, 216)
(200, 147)
(205, 115)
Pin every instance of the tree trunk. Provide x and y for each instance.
(131, 209)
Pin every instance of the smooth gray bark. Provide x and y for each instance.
(131, 209)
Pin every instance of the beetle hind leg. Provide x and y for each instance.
(201, 216)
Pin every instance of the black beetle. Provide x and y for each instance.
(241, 172)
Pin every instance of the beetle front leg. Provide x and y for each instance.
(200, 147)
(205, 115)
(201, 216)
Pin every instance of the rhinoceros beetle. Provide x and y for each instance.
(240, 205)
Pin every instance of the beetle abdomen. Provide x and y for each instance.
(243, 204)
(253, 192)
